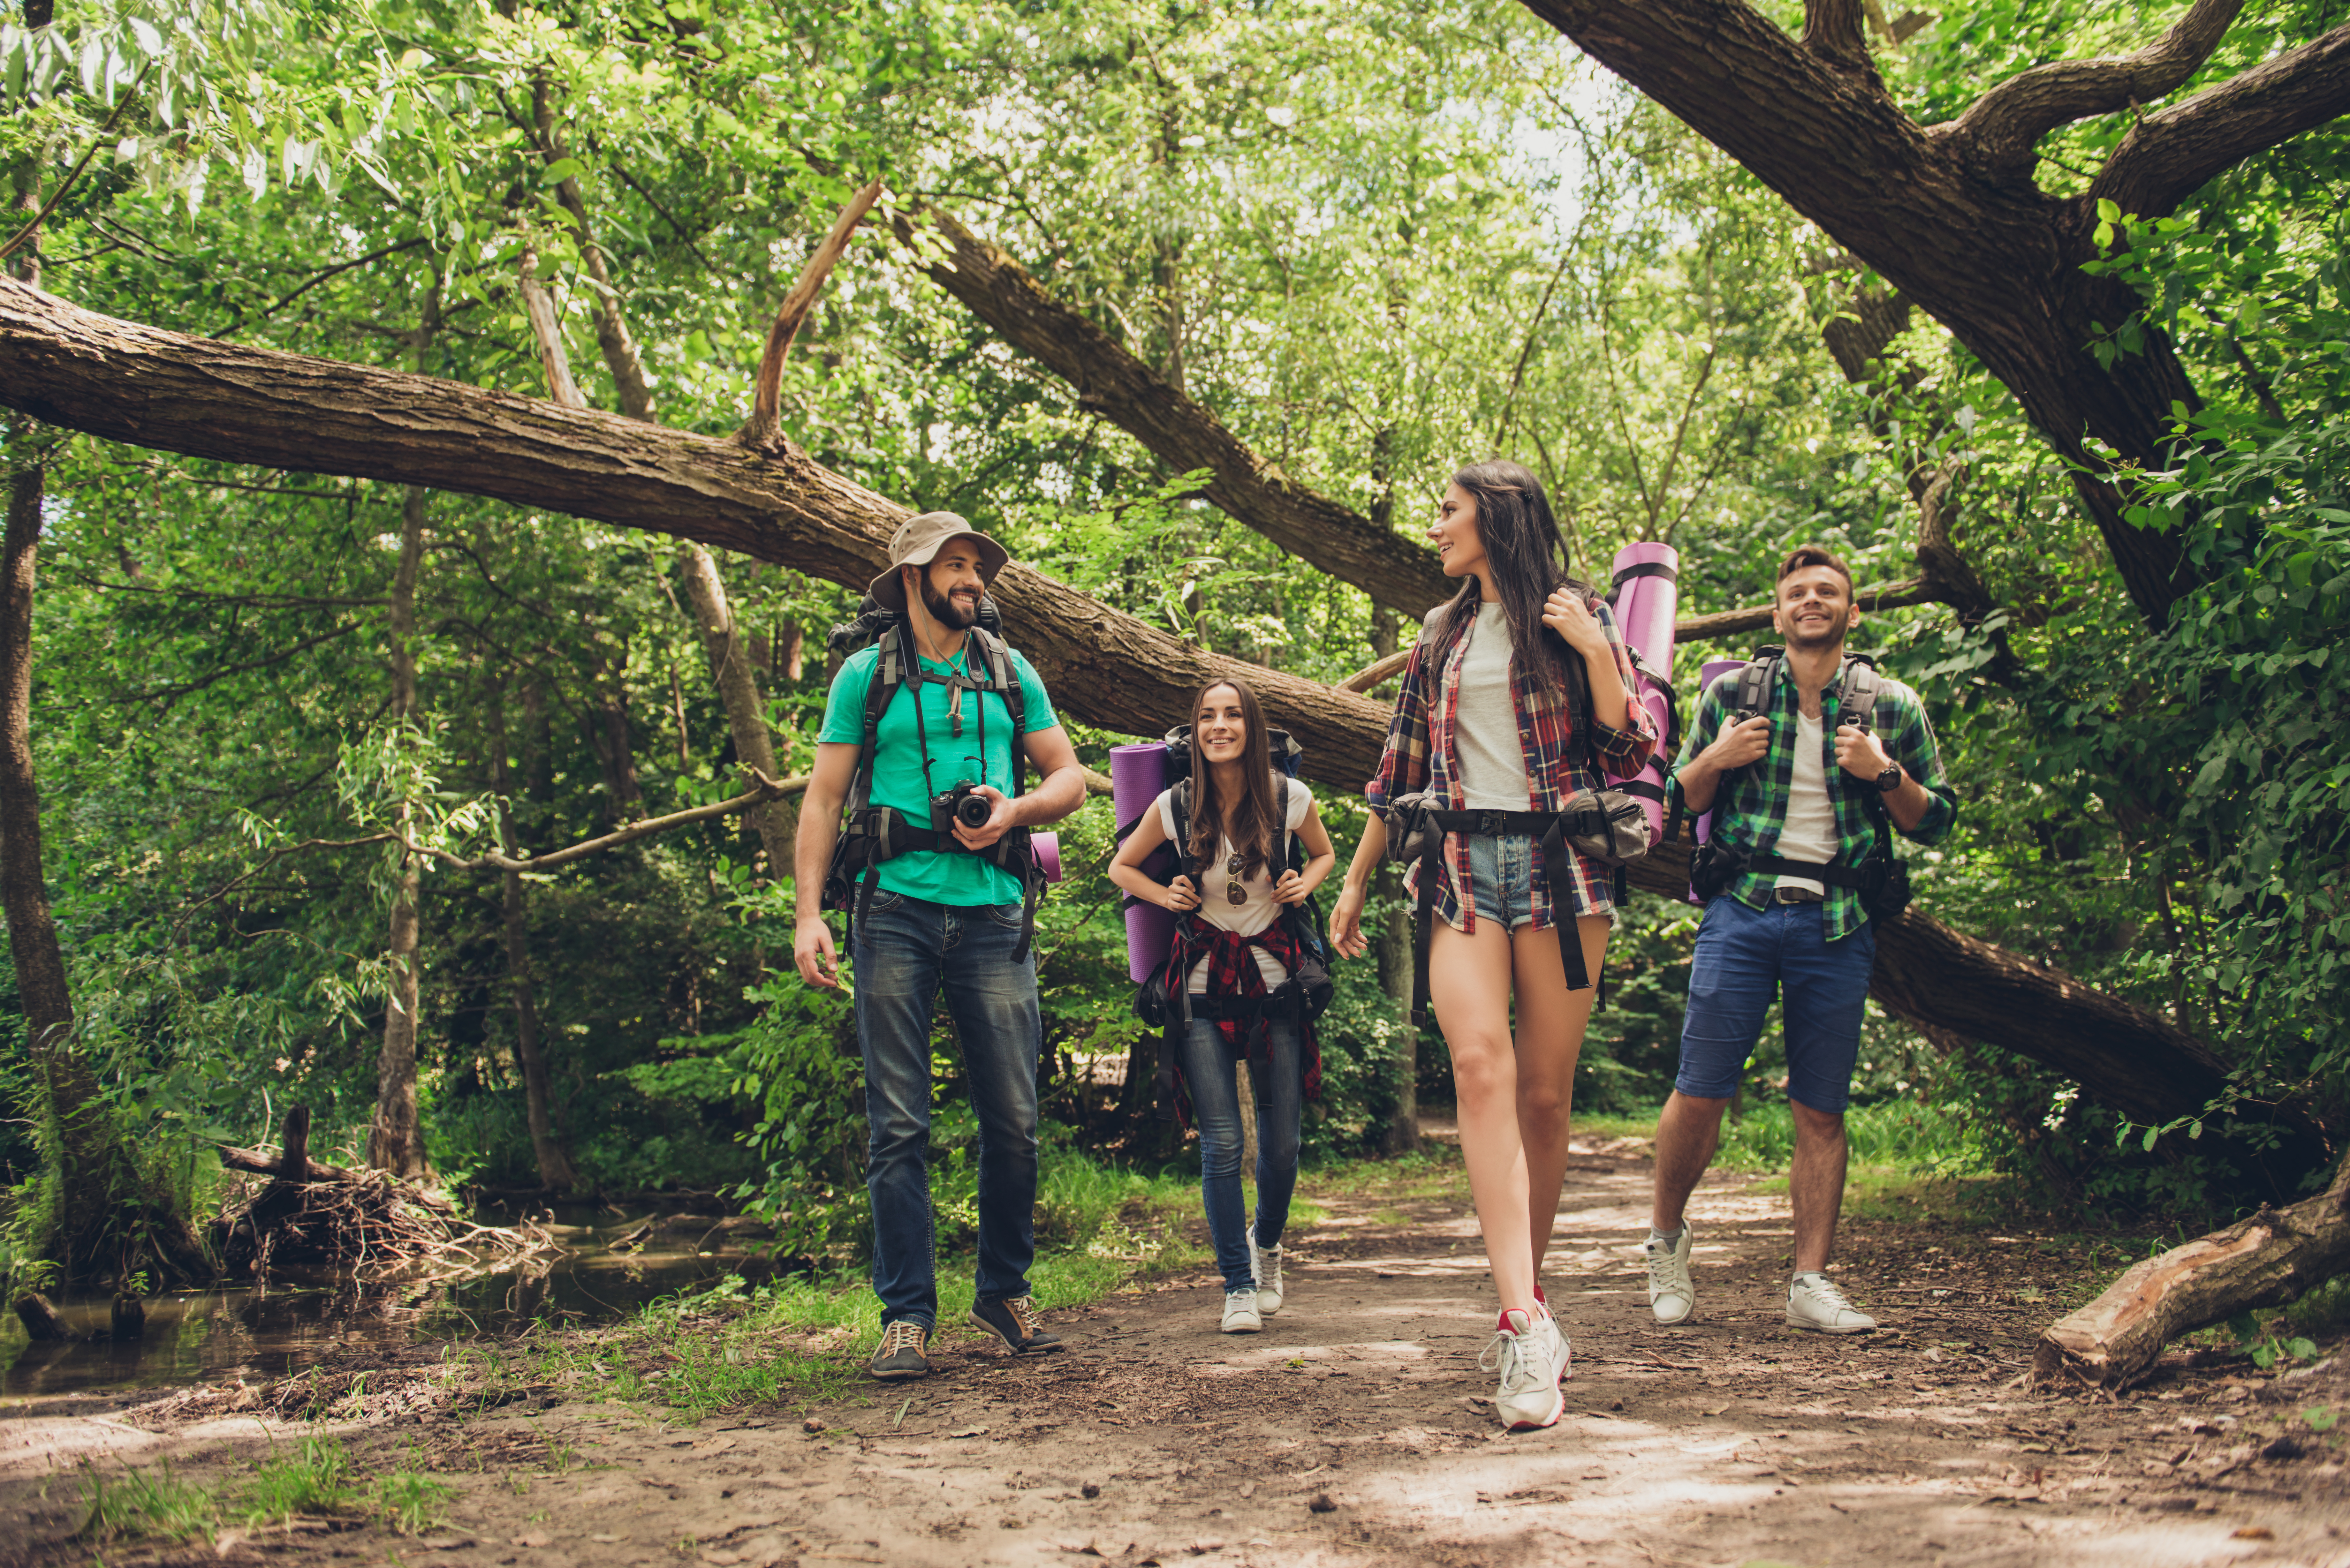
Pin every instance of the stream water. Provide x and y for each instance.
(213, 1336)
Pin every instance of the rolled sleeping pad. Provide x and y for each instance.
(1047, 848)
(1137, 774)
(1648, 592)
(1714, 668)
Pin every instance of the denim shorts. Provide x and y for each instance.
(1502, 880)
(1745, 959)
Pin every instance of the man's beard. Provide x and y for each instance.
(947, 612)
(1829, 635)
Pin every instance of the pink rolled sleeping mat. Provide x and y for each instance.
(1137, 774)
(1647, 592)
(1705, 678)
(1047, 848)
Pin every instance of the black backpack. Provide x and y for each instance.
(1882, 878)
(871, 833)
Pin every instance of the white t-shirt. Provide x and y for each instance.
(1258, 911)
(1485, 720)
(1809, 831)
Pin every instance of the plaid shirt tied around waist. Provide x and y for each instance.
(1420, 755)
(1233, 971)
(1750, 807)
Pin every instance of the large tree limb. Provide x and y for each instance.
(2002, 128)
(2273, 1257)
(153, 387)
(1174, 427)
(2167, 156)
(768, 387)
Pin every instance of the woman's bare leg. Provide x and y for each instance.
(1551, 1022)
(1468, 982)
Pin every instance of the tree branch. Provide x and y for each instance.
(767, 391)
(766, 789)
(1115, 383)
(2001, 129)
(2167, 156)
(1832, 30)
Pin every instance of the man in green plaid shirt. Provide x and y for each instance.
(1796, 787)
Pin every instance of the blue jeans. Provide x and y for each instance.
(1744, 958)
(904, 952)
(1212, 1076)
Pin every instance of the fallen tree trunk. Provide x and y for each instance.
(2271, 1257)
(149, 386)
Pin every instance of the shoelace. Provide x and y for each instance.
(1827, 1292)
(1660, 1272)
(903, 1335)
(1024, 1313)
(1507, 1354)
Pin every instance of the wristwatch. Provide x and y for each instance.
(1890, 779)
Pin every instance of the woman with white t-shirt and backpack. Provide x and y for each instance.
(1238, 951)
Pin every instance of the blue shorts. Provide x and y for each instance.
(1501, 880)
(1502, 877)
(1745, 957)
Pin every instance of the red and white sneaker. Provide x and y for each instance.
(1523, 1353)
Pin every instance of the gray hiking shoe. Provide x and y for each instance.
(1012, 1320)
(900, 1355)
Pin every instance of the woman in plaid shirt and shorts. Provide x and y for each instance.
(1485, 720)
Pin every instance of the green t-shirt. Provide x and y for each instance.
(899, 781)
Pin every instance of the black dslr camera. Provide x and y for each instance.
(962, 804)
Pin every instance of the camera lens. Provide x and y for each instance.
(974, 810)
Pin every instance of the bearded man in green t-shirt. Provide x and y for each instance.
(946, 916)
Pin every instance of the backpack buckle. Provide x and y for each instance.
(1489, 824)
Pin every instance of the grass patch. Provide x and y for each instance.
(312, 1479)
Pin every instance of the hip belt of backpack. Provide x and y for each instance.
(871, 836)
(1551, 830)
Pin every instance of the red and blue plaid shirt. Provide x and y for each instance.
(1420, 755)
(1233, 971)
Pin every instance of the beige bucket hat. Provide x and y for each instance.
(918, 542)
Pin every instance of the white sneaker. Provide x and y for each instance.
(1241, 1314)
(1266, 1265)
(1815, 1305)
(1671, 1297)
(1529, 1396)
(1554, 1338)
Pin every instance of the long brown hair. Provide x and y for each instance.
(1526, 556)
(1254, 821)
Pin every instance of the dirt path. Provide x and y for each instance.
(1354, 1431)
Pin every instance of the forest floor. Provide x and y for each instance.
(1356, 1430)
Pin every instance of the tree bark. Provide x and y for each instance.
(1951, 216)
(738, 690)
(158, 389)
(2273, 1257)
(1154, 410)
(396, 1138)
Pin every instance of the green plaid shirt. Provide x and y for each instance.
(1751, 807)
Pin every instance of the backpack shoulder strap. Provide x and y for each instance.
(1179, 803)
(888, 675)
(1755, 681)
